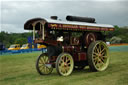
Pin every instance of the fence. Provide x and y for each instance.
(21, 51)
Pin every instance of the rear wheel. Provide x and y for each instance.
(98, 58)
(42, 65)
(64, 64)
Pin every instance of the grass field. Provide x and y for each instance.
(19, 69)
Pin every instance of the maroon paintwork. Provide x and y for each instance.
(76, 46)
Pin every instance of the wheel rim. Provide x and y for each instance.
(65, 65)
(100, 56)
(43, 65)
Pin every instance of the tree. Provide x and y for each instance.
(21, 41)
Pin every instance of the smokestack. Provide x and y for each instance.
(54, 17)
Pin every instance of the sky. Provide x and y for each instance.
(14, 13)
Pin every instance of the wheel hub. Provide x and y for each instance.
(65, 64)
(100, 55)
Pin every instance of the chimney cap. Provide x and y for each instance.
(54, 17)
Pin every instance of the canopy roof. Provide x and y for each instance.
(58, 24)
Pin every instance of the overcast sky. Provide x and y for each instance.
(14, 13)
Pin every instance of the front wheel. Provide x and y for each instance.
(42, 65)
(64, 64)
(98, 58)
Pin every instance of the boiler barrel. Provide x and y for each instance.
(80, 19)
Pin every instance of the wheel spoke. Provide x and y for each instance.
(96, 49)
(48, 69)
(67, 59)
(99, 47)
(41, 69)
(45, 69)
(62, 69)
(104, 56)
(41, 65)
(102, 50)
(62, 59)
(69, 64)
(95, 60)
(95, 56)
(61, 66)
(95, 53)
(67, 69)
(45, 59)
(103, 53)
(101, 61)
(42, 60)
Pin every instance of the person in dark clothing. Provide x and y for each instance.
(54, 50)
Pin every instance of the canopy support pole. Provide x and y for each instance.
(33, 32)
(43, 33)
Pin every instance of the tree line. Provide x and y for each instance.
(14, 38)
(120, 35)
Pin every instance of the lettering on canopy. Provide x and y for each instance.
(77, 27)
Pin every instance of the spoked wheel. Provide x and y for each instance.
(64, 64)
(42, 65)
(98, 58)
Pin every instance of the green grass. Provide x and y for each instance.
(19, 69)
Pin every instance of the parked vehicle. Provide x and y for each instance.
(27, 46)
(39, 46)
(75, 43)
(14, 47)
